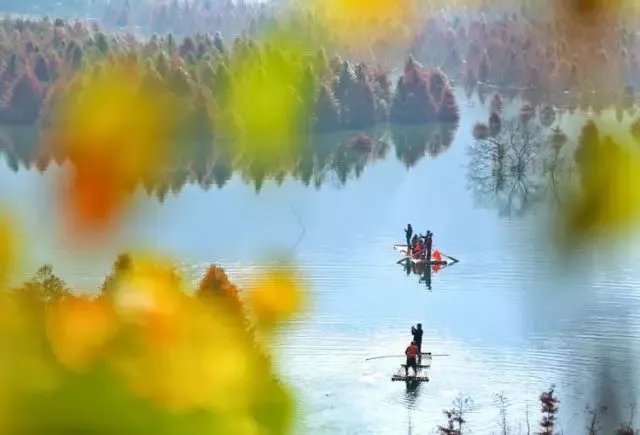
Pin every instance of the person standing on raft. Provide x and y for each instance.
(412, 354)
(408, 232)
(429, 244)
(413, 246)
(417, 332)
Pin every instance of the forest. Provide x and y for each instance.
(40, 58)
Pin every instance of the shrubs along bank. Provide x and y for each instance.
(39, 58)
(545, 423)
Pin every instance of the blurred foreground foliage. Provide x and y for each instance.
(591, 178)
(608, 202)
(144, 355)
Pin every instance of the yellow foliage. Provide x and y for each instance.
(610, 196)
(264, 96)
(113, 134)
(150, 296)
(147, 333)
(275, 296)
(188, 354)
(206, 365)
(23, 361)
(79, 329)
(358, 22)
(164, 345)
(9, 247)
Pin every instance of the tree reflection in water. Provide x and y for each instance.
(320, 159)
(516, 163)
(412, 143)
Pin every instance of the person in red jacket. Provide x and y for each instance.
(412, 356)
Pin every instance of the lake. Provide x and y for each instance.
(511, 315)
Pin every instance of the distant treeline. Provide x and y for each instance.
(550, 56)
(530, 47)
(40, 58)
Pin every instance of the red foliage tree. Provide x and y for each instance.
(448, 110)
(549, 408)
(215, 287)
(412, 102)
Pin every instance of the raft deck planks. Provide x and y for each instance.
(420, 376)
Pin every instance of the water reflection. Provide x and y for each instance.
(587, 101)
(332, 158)
(414, 142)
(422, 270)
(516, 163)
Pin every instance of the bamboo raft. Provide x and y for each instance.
(421, 260)
(421, 374)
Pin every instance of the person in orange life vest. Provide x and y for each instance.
(414, 241)
(416, 249)
(415, 246)
(412, 355)
(436, 257)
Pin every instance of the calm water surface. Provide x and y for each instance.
(512, 318)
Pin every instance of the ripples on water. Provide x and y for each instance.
(509, 323)
(511, 315)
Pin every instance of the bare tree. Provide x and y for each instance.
(505, 165)
(594, 421)
(45, 285)
(460, 406)
(557, 165)
(627, 428)
(502, 404)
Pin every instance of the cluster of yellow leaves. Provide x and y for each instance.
(264, 96)
(9, 247)
(182, 353)
(276, 296)
(113, 134)
(358, 23)
(608, 202)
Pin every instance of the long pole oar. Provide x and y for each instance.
(401, 356)
(455, 260)
(384, 356)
